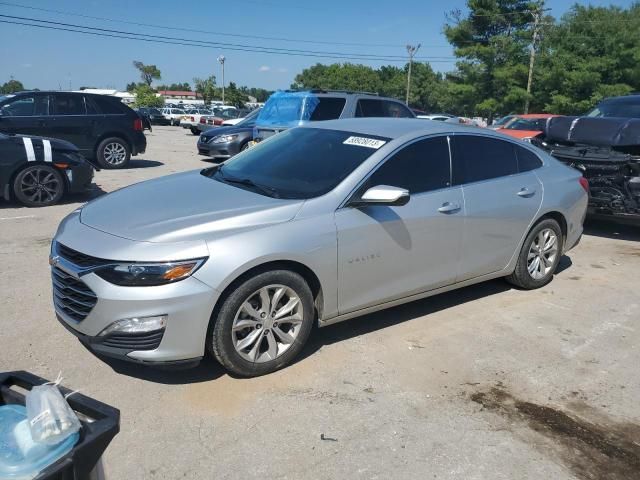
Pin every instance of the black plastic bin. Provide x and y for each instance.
(100, 423)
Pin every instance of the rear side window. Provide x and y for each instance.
(420, 167)
(368, 107)
(68, 105)
(527, 160)
(481, 158)
(108, 106)
(26, 106)
(329, 108)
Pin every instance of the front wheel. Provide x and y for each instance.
(113, 152)
(263, 324)
(38, 186)
(195, 131)
(539, 256)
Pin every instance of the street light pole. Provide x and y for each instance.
(411, 50)
(221, 59)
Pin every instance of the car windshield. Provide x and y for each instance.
(620, 109)
(503, 120)
(526, 124)
(299, 163)
(249, 120)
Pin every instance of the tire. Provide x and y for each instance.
(537, 271)
(113, 152)
(245, 146)
(38, 186)
(195, 131)
(250, 351)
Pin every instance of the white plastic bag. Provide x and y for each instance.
(51, 419)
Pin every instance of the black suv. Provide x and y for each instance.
(102, 127)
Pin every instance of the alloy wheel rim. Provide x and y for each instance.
(115, 153)
(40, 185)
(542, 254)
(267, 323)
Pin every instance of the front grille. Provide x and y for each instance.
(79, 259)
(72, 296)
(135, 341)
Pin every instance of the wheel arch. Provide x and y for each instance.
(111, 134)
(558, 217)
(303, 270)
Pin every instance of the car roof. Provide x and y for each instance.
(537, 115)
(396, 127)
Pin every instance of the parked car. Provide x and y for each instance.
(102, 127)
(286, 109)
(192, 119)
(154, 115)
(216, 119)
(38, 172)
(501, 122)
(320, 223)
(526, 127)
(607, 152)
(173, 115)
(224, 142)
(146, 123)
(627, 106)
(441, 117)
(241, 115)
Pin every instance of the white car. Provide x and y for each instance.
(232, 121)
(192, 118)
(174, 115)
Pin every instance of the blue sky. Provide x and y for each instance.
(55, 59)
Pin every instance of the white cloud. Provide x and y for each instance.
(264, 68)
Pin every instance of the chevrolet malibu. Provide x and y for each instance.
(317, 224)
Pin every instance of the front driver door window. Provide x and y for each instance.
(25, 115)
(384, 252)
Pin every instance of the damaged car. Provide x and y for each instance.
(607, 152)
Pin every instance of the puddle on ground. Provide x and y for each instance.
(592, 449)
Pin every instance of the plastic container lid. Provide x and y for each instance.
(20, 457)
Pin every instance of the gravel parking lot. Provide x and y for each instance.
(484, 382)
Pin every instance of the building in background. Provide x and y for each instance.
(126, 97)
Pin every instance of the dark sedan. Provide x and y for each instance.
(38, 171)
(154, 115)
(222, 143)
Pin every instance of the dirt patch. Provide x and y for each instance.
(631, 251)
(595, 265)
(594, 450)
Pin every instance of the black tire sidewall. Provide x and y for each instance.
(521, 276)
(100, 153)
(17, 192)
(221, 339)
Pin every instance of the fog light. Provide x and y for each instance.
(136, 325)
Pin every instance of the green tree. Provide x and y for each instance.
(183, 87)
(206, 87)
(492, 44)
(233, 96)
(591, 53)
(132, 86)
(146, 97)
(260, 94)
(148, 73)
(345, 76)
(12, 86)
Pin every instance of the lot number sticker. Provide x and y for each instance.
(364, 142)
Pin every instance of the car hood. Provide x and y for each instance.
(184, 207)
(56, 144)
(230, 130)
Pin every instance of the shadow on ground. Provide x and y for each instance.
(141, 163)
(612, 230)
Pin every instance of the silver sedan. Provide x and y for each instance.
(320, 223)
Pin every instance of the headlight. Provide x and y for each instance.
(148, 274)
(224, 138)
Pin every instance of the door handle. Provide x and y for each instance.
(448, 207)
(525, 192)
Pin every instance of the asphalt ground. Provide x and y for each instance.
(483, 382)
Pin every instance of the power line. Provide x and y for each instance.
(191, 44)
(360, 56)
(192, 30)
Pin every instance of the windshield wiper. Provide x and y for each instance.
(270, 192)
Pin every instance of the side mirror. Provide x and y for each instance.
(383, 195)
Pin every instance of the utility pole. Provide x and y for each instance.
(411, 50)
(221, 59)
(532, 58)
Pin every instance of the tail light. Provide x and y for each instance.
(192, 119)
(203, 120)
(217, 121)
(584, 183)
(137, 125)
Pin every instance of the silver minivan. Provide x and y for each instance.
(319, 223)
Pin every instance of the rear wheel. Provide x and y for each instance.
(263, 324)
(38, 186)
(113, 152)
(539, 256)
(195, 131)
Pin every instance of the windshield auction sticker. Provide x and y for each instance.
(364, 142)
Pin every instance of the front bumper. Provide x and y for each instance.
(79, 177)
(220, 151)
